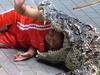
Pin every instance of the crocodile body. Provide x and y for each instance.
(82, 56)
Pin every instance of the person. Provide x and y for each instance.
(26, 29)
(83, 56)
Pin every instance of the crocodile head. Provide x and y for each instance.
(56, 55)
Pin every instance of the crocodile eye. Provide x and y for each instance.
(84, 34)
(89, 37)
(93, 71)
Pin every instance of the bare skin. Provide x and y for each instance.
(23, 56)
(51, 39)
(27, 10)
(34, 12)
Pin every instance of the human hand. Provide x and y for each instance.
(22, 56)
(19, 3)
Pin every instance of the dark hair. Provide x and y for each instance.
(60, 36)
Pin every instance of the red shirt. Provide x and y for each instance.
(27, 31)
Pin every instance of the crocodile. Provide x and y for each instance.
(81, 51)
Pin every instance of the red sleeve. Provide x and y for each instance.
(8, 17)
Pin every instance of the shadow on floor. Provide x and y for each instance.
(59, 65)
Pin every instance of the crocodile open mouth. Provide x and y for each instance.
(55, 56)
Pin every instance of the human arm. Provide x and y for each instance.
(20, 56)
(23, 9)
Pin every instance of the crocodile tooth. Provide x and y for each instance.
(42, 54)
(52, 52)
